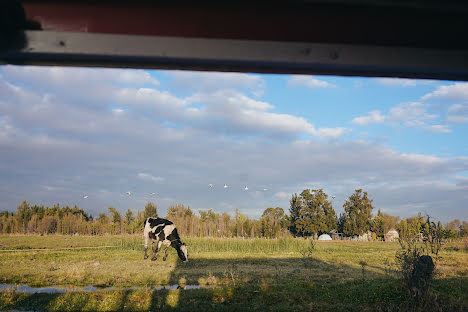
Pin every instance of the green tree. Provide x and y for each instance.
(358, 213)
(151, 210)
(272, 221)
(295, 205)
(316, 215)
(377, 225)
(116, 220)
(23, 215)
(115, 215)
(129, 217)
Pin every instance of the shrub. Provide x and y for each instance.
(418, 257)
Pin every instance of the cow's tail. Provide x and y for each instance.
(144, 225)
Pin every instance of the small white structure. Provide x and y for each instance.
(391, 236)
(325, 237)
(365, 237)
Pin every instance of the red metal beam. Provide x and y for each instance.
(318, 23)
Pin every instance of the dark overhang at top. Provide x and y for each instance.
(420, 39)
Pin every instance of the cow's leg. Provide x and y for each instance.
(165, 253)
(146, 247)
(154, 256)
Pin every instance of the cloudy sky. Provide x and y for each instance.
(70, 132)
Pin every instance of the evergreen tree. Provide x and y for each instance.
(316, 215)
(294, 213)
(23, 215)
(358, 212)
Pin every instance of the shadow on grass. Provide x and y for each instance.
(254, 283)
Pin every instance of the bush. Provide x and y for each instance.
(418, 257)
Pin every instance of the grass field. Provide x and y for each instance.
(235, 274)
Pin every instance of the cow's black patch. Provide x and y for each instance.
(162, 236)
(152, 235)
(173, 236)
(158, 221)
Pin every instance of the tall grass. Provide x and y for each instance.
(235, 245)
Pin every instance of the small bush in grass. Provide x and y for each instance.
(363, 265)
(418, 257)
(308, 251)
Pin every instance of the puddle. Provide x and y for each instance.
(60, 290)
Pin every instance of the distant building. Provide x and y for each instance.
(365, 237)
(325, 237)
(335, 235)
(391, 236)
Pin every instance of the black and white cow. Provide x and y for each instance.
(163, 232)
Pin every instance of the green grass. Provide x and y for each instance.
(239, 274)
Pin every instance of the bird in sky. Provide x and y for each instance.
(211, 185)
(246, 188)
(85, 196)
(128, 193)
(265, 190)
(333, 197)
(225, 186)
(153, 193)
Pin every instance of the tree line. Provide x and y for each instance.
(38, 219)
(311, 213)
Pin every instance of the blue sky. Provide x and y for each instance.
(70, 132)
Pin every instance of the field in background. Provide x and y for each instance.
(236, 274)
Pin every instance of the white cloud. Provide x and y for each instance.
(372, 117)
(118, 111)
(136, 77)
(243, 114)
(331, 132)
(149, 177)
(400, 82)
(308, 82)
(411, 114)
(457, 91)
(457, 113)
(149, 96)
(457, 118)
(209, 81)
(457, 108)
(71, 77)
(440, 128)
(281, 195)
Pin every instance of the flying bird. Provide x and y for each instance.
(333, 197)
(246, 188)
(211, 185)
(128, 193)
(225, 186)
(265, 190)
(153, 193)
(85, 196)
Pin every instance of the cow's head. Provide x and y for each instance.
(182, 251)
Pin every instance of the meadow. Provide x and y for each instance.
(234, 274)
